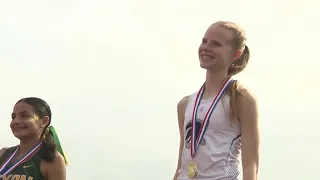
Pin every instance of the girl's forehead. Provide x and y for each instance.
(22, 107)
(216, 32)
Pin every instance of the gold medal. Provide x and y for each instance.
(192, 170)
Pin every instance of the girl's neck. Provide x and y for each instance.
(26, 145)
(213, 83)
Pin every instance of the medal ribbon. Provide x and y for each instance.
(196, 137)
(23, 159)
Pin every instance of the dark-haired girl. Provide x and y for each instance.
(39, 156)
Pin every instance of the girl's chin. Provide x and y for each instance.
(20, 134)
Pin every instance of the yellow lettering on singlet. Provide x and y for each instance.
(23, 177)
(15, 177)
(7, 177)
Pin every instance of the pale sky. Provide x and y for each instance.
(114, 71)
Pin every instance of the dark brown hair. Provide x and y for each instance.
(42, 109)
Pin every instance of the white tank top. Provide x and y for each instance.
(218, 155)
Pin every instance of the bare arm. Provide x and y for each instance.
(55, 170)
(181, 107)
(248, 115)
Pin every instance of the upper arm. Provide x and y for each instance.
(248, 115)
(2, 151)
(181, 108)
(55, 170)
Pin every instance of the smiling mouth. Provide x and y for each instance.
(207, 57)
(20, 128)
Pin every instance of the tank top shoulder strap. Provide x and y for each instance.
(39, 154)
(190, 101)
(7, 153)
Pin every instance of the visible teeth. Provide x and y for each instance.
(206, 57)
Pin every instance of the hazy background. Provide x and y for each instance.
(113, 72)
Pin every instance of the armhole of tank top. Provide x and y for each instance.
(191, 96)
(4, 151)
(7, 152)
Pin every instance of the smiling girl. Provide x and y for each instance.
(221, 119)
(39, 156)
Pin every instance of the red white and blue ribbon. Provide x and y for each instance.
(22, 160)
(196, 137)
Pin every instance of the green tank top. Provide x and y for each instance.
(29, 170)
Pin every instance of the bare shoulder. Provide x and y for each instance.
(183, 103)
(54, 170)
(246, 95)
(2, 151)
(248, 105)
(58, 161)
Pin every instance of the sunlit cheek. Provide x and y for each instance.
(34, 118)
